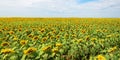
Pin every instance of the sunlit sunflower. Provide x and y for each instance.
(73, 35)
(112, 49)
(83, 31)
(5, 44)
(79, 40)
(26, 31)
(46, 48)
(62, 30)
(15, 38)
(54, 50)
(58, 36)
(29, 50)
(35, 38)
(98, 30)
(7, 51)
(52, 37)
(11, 32)
(54, 31)
(23, 42)
(42, 30)
(93, 39)
(1, 31)
(30, 35)
(33, 29)
(66, 36)
(58, 44)
(100, 57)
(108, 36)
(20, 29)
(44, 39)
(104, 30)
(87, 37)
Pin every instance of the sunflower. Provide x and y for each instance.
(44, 39)
(52, 37)
(66, 35)
(54, 32)
(83, 31)
(93, 39)
(42, 30)
(108, 36)
(112, 49)
(87, 37)
(5, 44)
(46, 48)
(26, 31)
(58, 36)
(7, 51)
(0, 31)
(15, 38)
(62, 30)
(73, 35)
(30, 35)
(30, 50)
(104, 30)
(33, 29)
(11, 32)
(100, 57)
(101, 41)
(98, 30)
(35, 38)
(58, 45)
(20, 29)
(54, 50)
(23, 42)
(79, 40)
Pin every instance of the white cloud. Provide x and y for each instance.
(60, 7)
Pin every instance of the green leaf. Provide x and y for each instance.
(23, 57)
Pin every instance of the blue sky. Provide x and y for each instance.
(59, 8)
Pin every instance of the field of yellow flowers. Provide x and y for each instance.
(59, 38)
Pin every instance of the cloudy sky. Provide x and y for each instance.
(60, 8)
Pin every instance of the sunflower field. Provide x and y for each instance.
(59, 38)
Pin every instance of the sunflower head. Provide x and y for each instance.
(15, 38)
(1, 31)
(62, 30)
(30, 35)
(42, 30)
(100, 57)
(11, 32)
(73, 35)
(23, 42)
(93, 39)
(7, 51)
(83, 31)
(87, 37)
(20, 29)
(58, 36)
(112, 49)
(79, 40)
(108, 36)
(52, 37)
(5, 44)
(58, 45)
(30, 50)
(44, 39)
(54, 50)
(46, 48)
(35, 38)
(66, 35)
